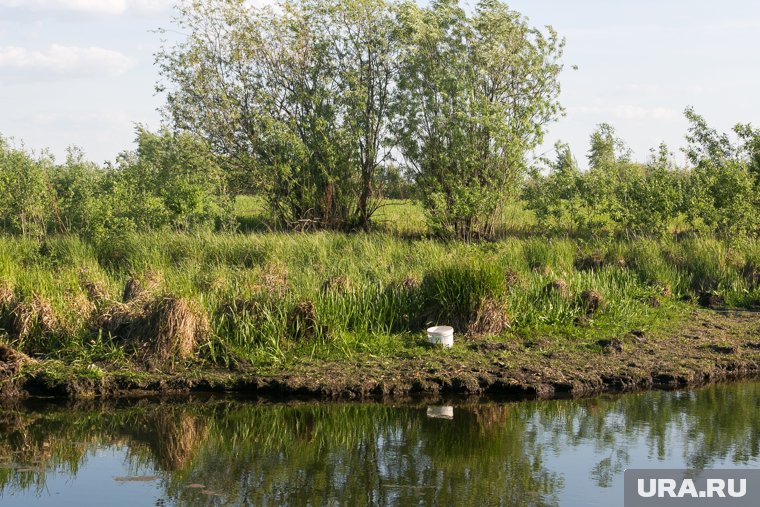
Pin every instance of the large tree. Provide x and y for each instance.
(293, 97)
(475, 94)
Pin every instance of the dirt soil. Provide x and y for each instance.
(711, 346)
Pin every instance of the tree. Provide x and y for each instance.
(656, 198)
(607, 186)
(26, 200)
(78, 186)
(555, 198)
(366, 50)
(295, 98)
(749, 138)
(722, 192)
(606, 148)
(474, 94)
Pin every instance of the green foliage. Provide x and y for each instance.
(607, 149)
(294, 98)
(656, 199)
(301, 100)
(79, 187)
(475, 92)
(393, 183)
(171, 180)
(25, 193)
(722, 195)
(616, 197)
(556, 199)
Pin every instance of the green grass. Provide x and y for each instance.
(398, 217)
(401, 217)
(252, 214)
(372, 294)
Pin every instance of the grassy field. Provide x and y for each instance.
(164, 300)
(400, 218)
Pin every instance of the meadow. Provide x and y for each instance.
(168, 300)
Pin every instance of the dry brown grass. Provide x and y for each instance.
(410, 283)
(161, 331)
(116, 317)
(33, 316)
(177, 325)
(490, 319)
(7, 295)
(513, 279)
(96, 291)
(137, 289)
(589, 262)
(592, 300)
(340, 284)
(558, 286)
(274, 280)
(11, 361)
(302, 321)
(132, 290)
(153, 281)
(83, 312)
(654, 302)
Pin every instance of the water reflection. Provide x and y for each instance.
(444, 412)
(224, 452)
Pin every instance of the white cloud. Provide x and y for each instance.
(92, 6)
(61, 60)
(628, 112)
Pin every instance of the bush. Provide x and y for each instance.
(454, 294)
(26, 199)
(616, 197)
(171, 180)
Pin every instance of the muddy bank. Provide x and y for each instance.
(710, 346)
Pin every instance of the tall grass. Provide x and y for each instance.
(368, 293)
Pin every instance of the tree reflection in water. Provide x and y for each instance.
(313, 453)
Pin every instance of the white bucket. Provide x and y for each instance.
(446, 412)
(441, 335)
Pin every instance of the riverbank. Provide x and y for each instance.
(708, 346)
(336, 315)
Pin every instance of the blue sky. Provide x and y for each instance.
(80, 72)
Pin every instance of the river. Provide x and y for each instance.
(233, 451)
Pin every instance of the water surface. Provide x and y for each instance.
(221, 451)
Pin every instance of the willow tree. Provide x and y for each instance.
(293, 97)
(475, 93)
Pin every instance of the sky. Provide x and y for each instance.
(81, 72)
